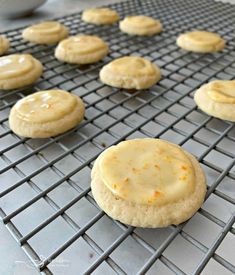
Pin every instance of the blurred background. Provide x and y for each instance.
(16, 13)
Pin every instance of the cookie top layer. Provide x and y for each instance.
(100, 16)
(222, 91)
(147, 171)
(15, 65)
(201, 41)
(83, 44)
(47, 28)
(47, 32)
(140, 25)
(45, 106)
(141, 21)
(202, 38)
(132, 66)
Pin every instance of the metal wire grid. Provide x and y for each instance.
(46, 202)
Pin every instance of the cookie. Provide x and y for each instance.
(148, 183)
(100, 16)
(18, 70)
(46, 114)
(217, 99)
(130, 72)
(140, 25)
(4, 45)
(201, 42)
(81, 49)
(48, 32)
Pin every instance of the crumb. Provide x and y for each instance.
(103, 144)
(91, 255)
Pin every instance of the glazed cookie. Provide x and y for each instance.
(217, 99)
(148, 183)
(201, 42)
(140, 25)
(18, 70)
(46, 114)
(100, 16)
(81, 49)
(48, 32)
(130, 72)
(4, 45)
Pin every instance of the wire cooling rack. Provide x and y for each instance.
(45, 199)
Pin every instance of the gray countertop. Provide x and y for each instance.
(55, 8)
(51, 9)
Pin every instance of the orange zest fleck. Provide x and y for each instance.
(126, 180)
(156, 166)
(145, 166)
(184, 167)
(157, 193)
(183, 178)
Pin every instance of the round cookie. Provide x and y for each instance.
(130, 72)
(18, 70)
(100, 16)
(148, 183)
(201, 42)
(4, 45)
(217, 99)
(46, 114)
(48, 32)
(140, 25)
(81, 49)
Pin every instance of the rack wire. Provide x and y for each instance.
(45, 199)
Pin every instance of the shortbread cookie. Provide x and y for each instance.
(140, 25)
(4, 45)
(81, 49)
(48, 32)
(130, 72)
(18, 70)
(217, 99)
(148, 183)
(46, 114)
(100, 16)
(201, 41)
